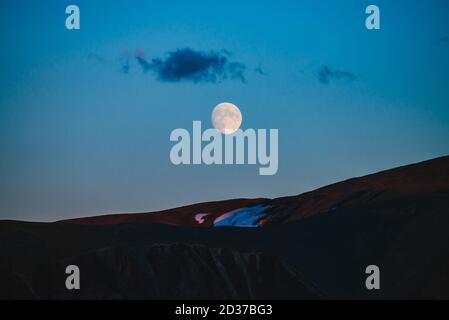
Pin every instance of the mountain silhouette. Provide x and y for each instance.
(311, 246)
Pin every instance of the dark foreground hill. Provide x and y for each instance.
(314, 245)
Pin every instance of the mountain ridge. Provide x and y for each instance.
(397, 220)
(381, 185)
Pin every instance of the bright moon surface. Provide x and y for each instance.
(226, 118)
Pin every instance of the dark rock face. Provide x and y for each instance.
(173, 271)
(13, 287)
(313, 245)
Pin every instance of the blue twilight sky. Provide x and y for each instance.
(79, 136)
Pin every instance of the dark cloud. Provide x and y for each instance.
(125, 65)
(226, 52)
(142, 62)
(326, 74)
(260, 71)
(194, 66)
(124, 60)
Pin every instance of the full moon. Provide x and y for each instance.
(226, 118)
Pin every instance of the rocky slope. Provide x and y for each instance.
(426, 182)
(173, 271)
(313, 245)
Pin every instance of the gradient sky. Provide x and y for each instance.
(80, 137)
